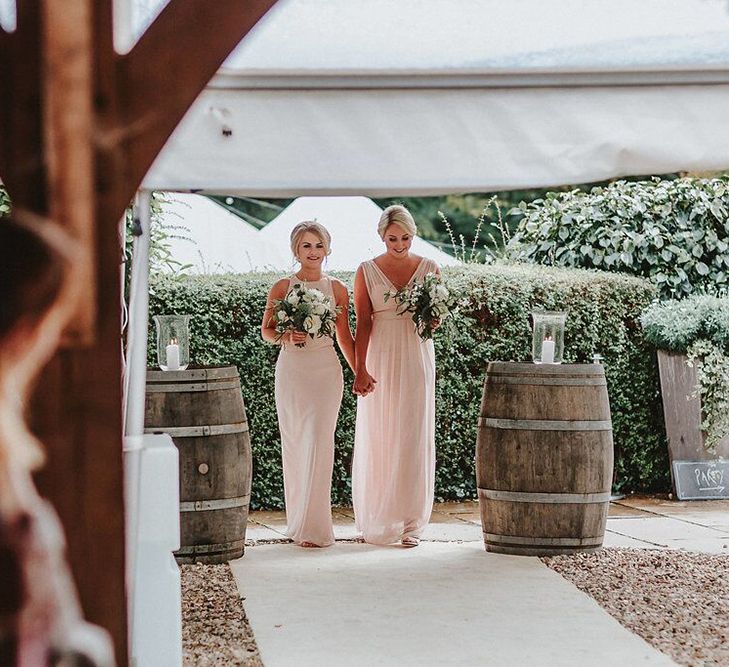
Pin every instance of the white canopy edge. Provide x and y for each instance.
(426, 141)
(468, 78)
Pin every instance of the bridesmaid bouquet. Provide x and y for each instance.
(305, 309)
(429, 301)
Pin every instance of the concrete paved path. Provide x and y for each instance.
(449, 602)
(635, 522)
(439, 604)
(657, 523)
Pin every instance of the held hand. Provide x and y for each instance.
(296, 337)
(364, 383)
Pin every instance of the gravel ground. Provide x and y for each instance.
(215, 630)
(676, 601)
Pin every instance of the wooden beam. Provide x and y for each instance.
(21, 142)
(160, 83)
(79, 127)
(68, 129)
(6, 78)
(77, 408)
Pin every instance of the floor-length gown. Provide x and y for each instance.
(309, 388)
(394, 452)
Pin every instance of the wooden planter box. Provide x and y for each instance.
(695, 472)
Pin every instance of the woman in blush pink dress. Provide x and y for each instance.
(394, 452)
(309, 388)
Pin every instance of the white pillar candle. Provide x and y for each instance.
(173, 356)
(547, 351)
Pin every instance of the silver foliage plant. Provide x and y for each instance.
(676, 233)
(698, 326)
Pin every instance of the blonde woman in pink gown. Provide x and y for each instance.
(308, 393)
(394, 452)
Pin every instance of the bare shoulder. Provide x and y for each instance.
(338, 284)
(339, 288)
(431, 265)
(279, 288)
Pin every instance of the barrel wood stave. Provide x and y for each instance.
(203, 411)
(517, 459)
(544, 458)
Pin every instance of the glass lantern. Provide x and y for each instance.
(548, 337)
(173, 341)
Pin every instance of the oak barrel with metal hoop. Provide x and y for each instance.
(202, 409)
(544, 458)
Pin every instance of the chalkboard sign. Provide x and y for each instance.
(698, 480)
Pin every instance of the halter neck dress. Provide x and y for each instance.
(393, 470)
(309, 387)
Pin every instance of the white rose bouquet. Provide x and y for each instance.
(429, 301)
(307, 310)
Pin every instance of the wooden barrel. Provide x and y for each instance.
(202, 409)
(544, 458)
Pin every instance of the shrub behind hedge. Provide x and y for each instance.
(676, 233)
(603, 317)
(676, 325)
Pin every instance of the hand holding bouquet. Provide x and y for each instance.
(429, 301)
(306, 310)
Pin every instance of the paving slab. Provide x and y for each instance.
(613, 539)
(465, 506)
(676, 507)
(438, 604)
(637, 522)
(670, 532)
(717, 545)
(255, 532)
(457, 531)
(618, 510)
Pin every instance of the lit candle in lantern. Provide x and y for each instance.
(173, 355)
(548, 350)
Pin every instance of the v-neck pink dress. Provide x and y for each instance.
(393, 471)
(309, 387)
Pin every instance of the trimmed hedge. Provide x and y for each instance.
(604, 312)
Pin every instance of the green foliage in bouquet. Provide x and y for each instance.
(676, 233)
(307, 310)
(698, 327)
(429, 302)
(603, 317)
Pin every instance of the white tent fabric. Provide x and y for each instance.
(432, 96)
(352, 223)
(212, 240)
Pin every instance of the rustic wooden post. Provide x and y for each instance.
(79, 127)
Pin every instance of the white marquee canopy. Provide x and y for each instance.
(352, 223)
(209, 239)
(432, 96)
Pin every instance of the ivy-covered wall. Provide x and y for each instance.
(604, 311)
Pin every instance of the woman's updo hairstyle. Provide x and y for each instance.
(313, 227)
(396, 215)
